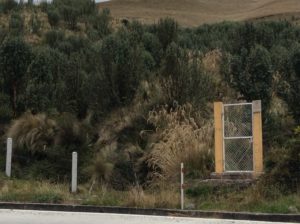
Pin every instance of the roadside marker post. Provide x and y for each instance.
(74, 172)
(8, 157)
(182, 186)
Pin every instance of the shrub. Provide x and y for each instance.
(102, 23)
(283, 168)
(16, 23)
(53, 17)
(35, 24)
(8, 5)
(5, 109)
(167, 31)
(53, 37)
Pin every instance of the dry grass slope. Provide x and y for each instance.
(197, 12)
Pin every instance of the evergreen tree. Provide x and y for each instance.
(15, 57)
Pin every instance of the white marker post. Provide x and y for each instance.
(182, 186)
(8, 157)
(74, 172)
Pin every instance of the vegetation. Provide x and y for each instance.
(136, 100)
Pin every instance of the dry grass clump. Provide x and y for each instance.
(33, 132)
(180, 138)
(162, 198)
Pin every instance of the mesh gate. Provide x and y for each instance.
(237, 125)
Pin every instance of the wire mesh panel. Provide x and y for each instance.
(237, 124)
(238, 155)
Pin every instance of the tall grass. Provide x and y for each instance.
(181, 137)
(32, 132)
(162, 198)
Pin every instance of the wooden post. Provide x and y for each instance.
(219, 162)
(257, 138)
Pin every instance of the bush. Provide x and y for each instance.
(35, 24)
(283, 168)
(54, 37)
(16, 23)
(167, 31)
(53, 17)
(5, 109)
(8, 5)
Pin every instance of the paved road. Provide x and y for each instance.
(44, 217)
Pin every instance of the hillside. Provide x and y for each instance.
(197, 12)
(136, 100)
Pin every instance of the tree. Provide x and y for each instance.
(53, 17)
(102, 23)
(72, 10)
(15, 56)
(123, 65)
(183, 79)
(42, 78)
(252, 74)
(292, 94)
(167, 32)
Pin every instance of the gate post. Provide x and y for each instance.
(219, 161)
(257, 138)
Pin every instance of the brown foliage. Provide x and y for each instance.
(180, 138)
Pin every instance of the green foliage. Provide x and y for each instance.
(53, 17)
(72, 10)
(3, 34)
(251, 74)
(183, 79)
(8, 5)
(43, 77)
(123, 66)
(16, 24)
(101, 23)
(295, 84)
(5, 109)
(35, 24)
(15, 56)
(53, 37)
(167, 31)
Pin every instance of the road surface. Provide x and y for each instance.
(45, 217)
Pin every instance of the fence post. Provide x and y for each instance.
(182, 186)
(74, 172)
(257, 138)
(8, 157)
(219, 158)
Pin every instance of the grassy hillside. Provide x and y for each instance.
(197, 12)
(136, 100)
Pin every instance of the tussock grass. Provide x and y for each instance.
(32, 132)
(180, 138)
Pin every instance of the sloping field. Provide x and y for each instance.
(196, 12)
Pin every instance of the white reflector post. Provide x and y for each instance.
(182, 186)
(8, 157)
(74, 172)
